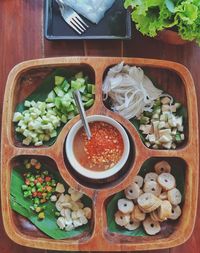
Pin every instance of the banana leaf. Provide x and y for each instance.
(40, 94)
(178, 171)
(48, 225)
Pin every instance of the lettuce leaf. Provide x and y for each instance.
(188, 20)
(152, 16)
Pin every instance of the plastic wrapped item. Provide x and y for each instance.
(93, 10)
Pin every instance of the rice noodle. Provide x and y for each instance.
(131, 92)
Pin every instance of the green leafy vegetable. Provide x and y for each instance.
(187, 16)
(170, 5)
(152, 16)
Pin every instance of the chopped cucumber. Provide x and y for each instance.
(89, 103)
(17, 116)
(91, 88)
(65, 86)
(39, 122)
(27, 103)
(76, 85)
(59, 80)
(51, 96)
(59, 92)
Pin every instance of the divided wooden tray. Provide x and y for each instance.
(171, 77)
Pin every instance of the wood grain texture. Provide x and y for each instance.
(21, 35)
(63, 48)
(158, 69)
(22, 39)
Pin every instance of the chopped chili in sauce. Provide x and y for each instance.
(103, 150)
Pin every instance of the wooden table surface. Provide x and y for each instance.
(21, 38)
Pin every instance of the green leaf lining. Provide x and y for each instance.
(177, 171)
(48, 225)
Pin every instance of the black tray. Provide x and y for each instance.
(116, 24)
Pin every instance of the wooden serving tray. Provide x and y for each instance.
(171, 77)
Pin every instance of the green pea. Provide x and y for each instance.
(38, 184)
(33, 189)
(26, 194)
(57, 214)
(36, 201)
(32, 178)
(24, 187)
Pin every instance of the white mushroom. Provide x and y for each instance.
(77, 223)
(66, 205)
(80, 204)
(72, 210)
(76, 195)
(83, 219)
(65, 212)
(58, 206)
(75, 206)
(61, 198)
(61, 222)
(69, 227)
(88, 212)
(68, 222)
(71, 190)
(53, 198)
(67, 198)
(80, 213)
(74, 215)
(60, 188)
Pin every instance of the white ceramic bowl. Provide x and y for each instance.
(96, 174)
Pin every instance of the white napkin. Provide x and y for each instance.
(93, 10)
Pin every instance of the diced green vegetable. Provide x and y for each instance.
(27, 103)
(17, 117)
(51, 96)
(65, 86)
(89, 103)
(59, 92)
(39, 122)
(144, 120)
(59, 80)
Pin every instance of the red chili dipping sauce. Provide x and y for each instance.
(102, 151)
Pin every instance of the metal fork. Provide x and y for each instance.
(72, 18)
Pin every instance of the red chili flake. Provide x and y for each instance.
(47, 179)
(27, 182)
(103, 150)
(40, 180)
(48, 188)
(39, 194)
(34, 194)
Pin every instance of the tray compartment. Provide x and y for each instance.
(101, 195)
(23, 225)
(167, 80)
(116, 233)
(29, 81)
(108, 182)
